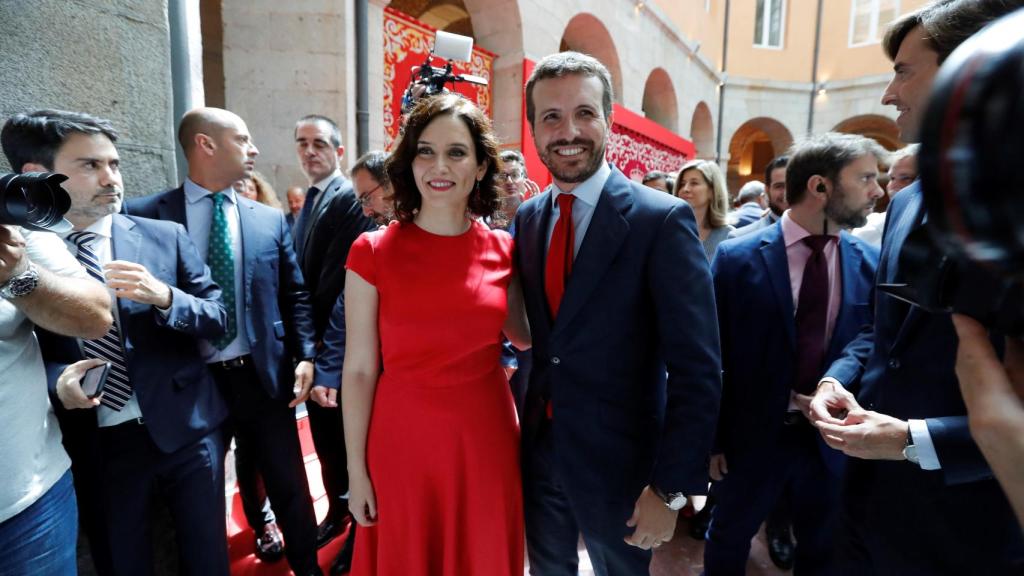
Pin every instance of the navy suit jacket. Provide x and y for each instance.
(905, 365)
(639, 301)
(277, 305)
(337, 221)
(756, 319)
(177, 394)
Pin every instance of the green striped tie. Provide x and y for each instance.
(222, 266)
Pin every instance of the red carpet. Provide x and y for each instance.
(241, 539)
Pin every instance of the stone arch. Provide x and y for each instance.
(882, 129)
(754, 144)
(659, 102)
(702, 131)
(585, 33)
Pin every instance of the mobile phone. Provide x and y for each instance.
(95, 379)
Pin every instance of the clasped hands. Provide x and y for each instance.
(849, 428)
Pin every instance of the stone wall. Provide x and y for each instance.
(110, 58)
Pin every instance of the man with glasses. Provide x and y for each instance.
(372, 188)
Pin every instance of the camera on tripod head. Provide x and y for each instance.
(430, 80)
(35, 201)
(968, 257)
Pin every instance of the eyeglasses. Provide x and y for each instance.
(512, 176)
(368, 197)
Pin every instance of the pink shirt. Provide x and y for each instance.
(797, 253)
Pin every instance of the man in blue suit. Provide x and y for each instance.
(789, 298)
(155, 430)
(618, 293)
(918, 497)
(264, 364)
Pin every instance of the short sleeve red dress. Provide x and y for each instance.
(443, 443)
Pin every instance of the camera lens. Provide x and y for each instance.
(34, 200)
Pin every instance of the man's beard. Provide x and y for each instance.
(576, 175)
(775, 208)
(97, 211)
(845, 216)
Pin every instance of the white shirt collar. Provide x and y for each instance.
(322, 185)
(589, 191)
(194, 192)
(101, 227)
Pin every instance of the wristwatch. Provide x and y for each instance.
(910, 450)
(674, 500)
(21, 285)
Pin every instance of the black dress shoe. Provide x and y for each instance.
(269, 543)
(781, 549)
(700, 522)
(343, 562)
(327, 530)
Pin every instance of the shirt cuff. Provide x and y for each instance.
(927, 458)
(164, 312)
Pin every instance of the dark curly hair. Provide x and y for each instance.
(484, 201)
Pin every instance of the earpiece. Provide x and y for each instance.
(821, 188)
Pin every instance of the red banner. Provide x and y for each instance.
(407, 43)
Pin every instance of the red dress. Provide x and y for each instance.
(443, 443)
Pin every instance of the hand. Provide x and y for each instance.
(69, 385)
(12, 253)
(362, 502)
(803, 402)
(324, 396)
(867, 434)
(532, 189)
(831, 403)
(654, 521)
(303, 381)
(719, 467)
(133, 282)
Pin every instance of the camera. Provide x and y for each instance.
(968, 257)
(429, 80)
(34, 200)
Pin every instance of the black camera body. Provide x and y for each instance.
(34, 200)
(968, 257)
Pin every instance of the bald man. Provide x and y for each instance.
(263, 364)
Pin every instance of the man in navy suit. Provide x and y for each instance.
(264, 366)
(155, 430)
(330, 221)
(618, 292)
(801, 279)
(919, 497)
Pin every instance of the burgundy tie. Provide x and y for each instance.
(559, 262)
(812, 317)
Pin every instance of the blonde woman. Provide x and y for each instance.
(702, 185)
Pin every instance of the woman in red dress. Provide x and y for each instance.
(430, 425)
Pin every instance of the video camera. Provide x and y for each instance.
(429, 80)
(969, 256)
(34, 200)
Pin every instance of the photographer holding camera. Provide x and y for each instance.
(41, 284)
(920, 515)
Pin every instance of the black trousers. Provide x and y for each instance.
(265, 428)
(190, 481)
(325, 425)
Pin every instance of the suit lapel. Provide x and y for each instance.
(247, 229)
(531, 238)
(909, 219)
(849, 266)
(607, 231)
(776, 262)
(319, 206)
(172, 207)
(125, 244)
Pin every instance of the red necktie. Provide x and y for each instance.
(559, 262)
(812, 317)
